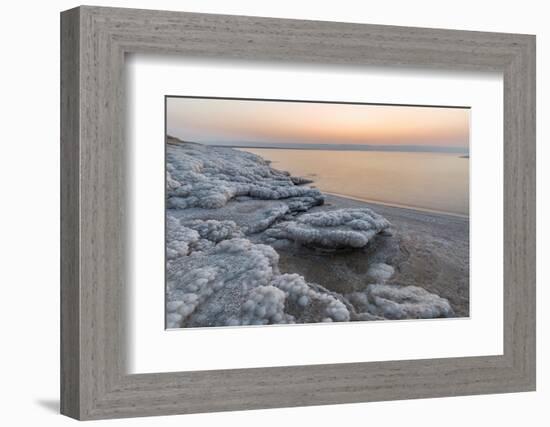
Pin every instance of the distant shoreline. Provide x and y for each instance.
(376, 148)
(460, 151)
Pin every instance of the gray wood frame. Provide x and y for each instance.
(94, 41)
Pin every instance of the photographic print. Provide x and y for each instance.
(293, 212)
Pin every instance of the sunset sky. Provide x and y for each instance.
(292, 124)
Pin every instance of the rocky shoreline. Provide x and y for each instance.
(250, 245)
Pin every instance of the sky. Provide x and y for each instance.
(287, 124)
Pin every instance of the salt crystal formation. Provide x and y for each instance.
(236, 282)
(406, 302)
(332, 229)
(222, 205)
(208, 177)
(385, 301)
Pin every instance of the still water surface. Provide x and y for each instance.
(433, 181)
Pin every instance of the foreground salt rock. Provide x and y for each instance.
(406, 302)
(236, 282)
(381, 301)
(332, 229)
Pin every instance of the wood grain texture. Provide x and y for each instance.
(70, 292)
(94, 232)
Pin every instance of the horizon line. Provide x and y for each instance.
(337, 147)
(353, 147)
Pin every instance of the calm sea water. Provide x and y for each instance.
(433, 181)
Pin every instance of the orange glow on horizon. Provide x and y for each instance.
(218, 120)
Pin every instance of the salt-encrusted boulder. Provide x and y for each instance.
(214, 279)
(406, 302)
(341, 228)
(237, 282)
(307, 304)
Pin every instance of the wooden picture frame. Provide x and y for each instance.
(94, 41)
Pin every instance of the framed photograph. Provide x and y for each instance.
(263, 213)
(283, 212)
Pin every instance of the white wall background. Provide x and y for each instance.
(29, 224)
